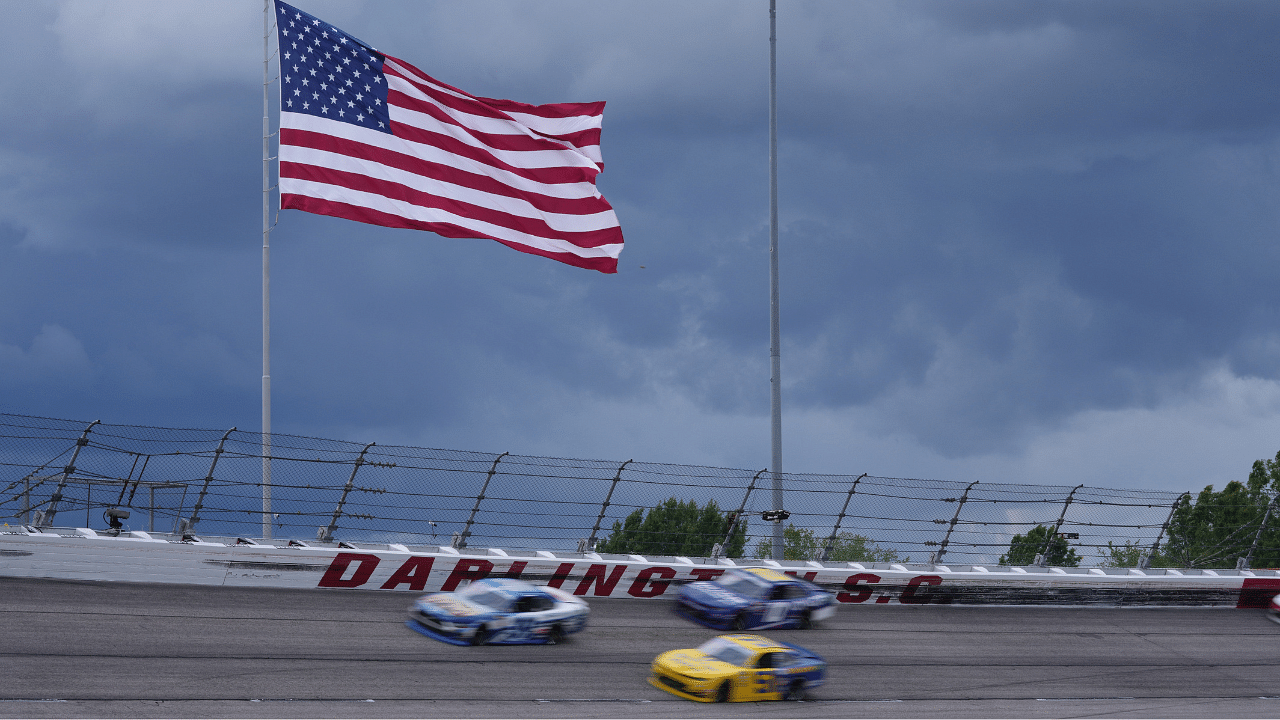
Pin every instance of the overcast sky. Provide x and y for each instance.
(1020, 241)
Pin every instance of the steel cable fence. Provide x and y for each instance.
(188, 481)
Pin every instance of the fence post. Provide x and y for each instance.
(26, 500)
(942, 550)
(326, 534)
(1145, 562)
(45, 518)
(831, 541)
(1048, 541)
(733, 524)
(590, 545)
(189, 525)
(461, 538)
(1248, 559)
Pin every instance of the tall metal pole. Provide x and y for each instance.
(775, 334)
(266, 276)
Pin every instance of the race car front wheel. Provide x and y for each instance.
(795, 691)
(482, 634)
(806, 621)
(740, 621)
(722, 694)
(555, 635)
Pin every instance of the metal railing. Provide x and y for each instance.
(209, 481)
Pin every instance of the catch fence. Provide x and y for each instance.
(188, 481)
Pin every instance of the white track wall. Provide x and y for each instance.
(79, 554)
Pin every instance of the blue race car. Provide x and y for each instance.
(499, 611)
(754, 598)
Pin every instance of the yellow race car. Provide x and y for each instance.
(739, 668)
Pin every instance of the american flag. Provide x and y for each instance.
(370, 138)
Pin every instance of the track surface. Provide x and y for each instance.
(78, 649)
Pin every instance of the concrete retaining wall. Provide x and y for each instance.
(81, 554)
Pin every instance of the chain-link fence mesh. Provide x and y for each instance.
(183, 481)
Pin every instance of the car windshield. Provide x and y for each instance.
(725, 651)
(489, 598)
(743, 584)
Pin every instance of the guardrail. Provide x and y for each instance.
(189, 481)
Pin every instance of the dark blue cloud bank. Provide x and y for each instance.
(1020, 242)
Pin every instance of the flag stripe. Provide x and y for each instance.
(528, 148)
(513, 213)
(512, 135)
(431, 164)
(554, 119)
(317, 206)
(413, 142)
(503, 116)
(465, 224)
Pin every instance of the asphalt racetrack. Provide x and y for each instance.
(82, 649)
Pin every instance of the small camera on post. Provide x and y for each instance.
(113, 516)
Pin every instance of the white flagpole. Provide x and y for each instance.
(775, 334)
(266, 276)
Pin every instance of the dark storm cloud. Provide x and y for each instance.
(1006, 227)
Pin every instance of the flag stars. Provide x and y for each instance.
(323, 57)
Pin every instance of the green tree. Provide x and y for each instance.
(803, 544)
(1023, 549)
(1219, 527)
(1129, 554)
(676, 528)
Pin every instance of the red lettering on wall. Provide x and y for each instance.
(809, 576)
(516, 568)
(467, 570)
(338, 568)
(645, 586)
(414, 571)
(1257, 592)
(909, 596)
(595, 574)
(864, 592)
(560, 575)
(706, 573)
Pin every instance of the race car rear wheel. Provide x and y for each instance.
(482, 635)
(722, 693)
(555, 635)
(740, 621)
(795, 691)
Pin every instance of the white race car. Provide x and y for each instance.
(1273, 610)
(499, 611)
